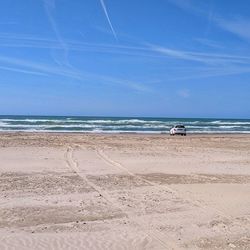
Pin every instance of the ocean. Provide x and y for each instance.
(120, 124)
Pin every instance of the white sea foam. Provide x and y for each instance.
(2, 123)
(47, 126)
(229, 127)
(230, 123)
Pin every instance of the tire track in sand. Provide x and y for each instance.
(113, 163)
(165, 241)
(73, 165)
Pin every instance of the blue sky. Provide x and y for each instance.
(162, 58)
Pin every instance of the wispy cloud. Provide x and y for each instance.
(187, 5)
(184, 93)
(49, 6)
(19, 70)
(20, 65)
(177, 54)
(108, 19)
(183, 4)
(209, 43)
(145, 49)
(210, 72)
(207, 58)
(239, 26)
(32, 42)
(148, 50)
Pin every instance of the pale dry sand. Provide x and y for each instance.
(76, 191)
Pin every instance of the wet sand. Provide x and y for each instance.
(82, 191)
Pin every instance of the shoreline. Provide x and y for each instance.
(195, 134)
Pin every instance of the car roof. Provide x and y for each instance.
(179, 126)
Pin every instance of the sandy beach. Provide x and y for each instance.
(90, 191)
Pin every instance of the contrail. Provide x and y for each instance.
(49, 6)
(107, 16)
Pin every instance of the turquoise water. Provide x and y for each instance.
(120, 124)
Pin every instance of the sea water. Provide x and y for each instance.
(120, 124)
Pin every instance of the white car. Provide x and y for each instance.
(178, 130)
